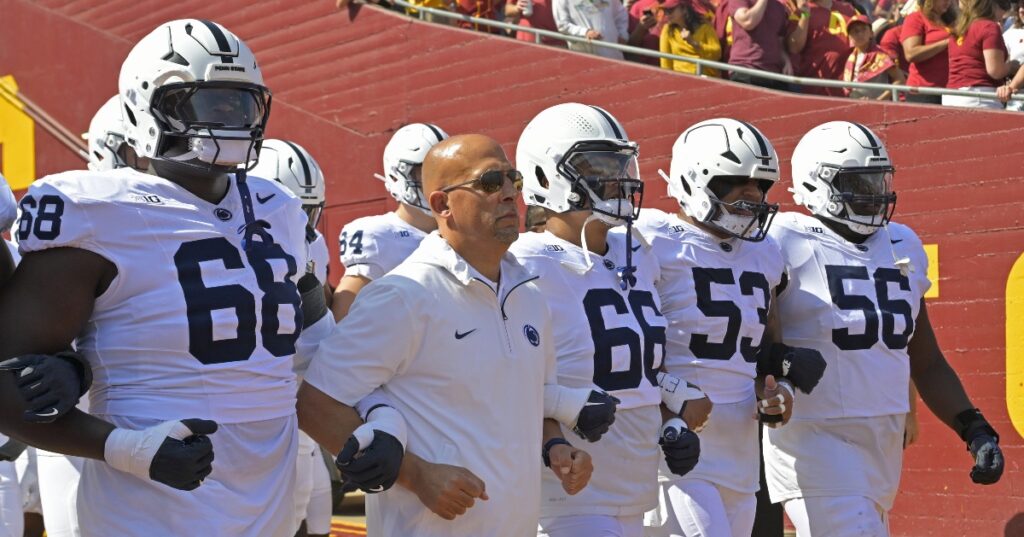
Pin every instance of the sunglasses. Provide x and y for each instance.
(491, 181)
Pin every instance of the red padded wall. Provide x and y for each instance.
(343, 82)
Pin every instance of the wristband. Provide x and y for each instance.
(545, 451)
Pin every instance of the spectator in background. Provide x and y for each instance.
(887, 36)
(817, 32)
(888, 9)
(868, 63)
(446, 5)
(977, 55)
(759, 40)
(687, 33)
(597, 20)
(1014, 35)
(925, 35)
(532, 14)
(646, 20)
(482, 9)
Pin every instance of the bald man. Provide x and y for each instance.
(458, 339)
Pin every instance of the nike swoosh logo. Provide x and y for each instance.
(588, 403)
(894, 241)
(49, 413)
(264, 200)
(378, 488)
(464, 334)
(637, 247)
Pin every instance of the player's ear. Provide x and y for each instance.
(438, 202)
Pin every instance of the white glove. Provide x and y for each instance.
(675, 392)
(177, 453)
(385, 419)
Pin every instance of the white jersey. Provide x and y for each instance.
(856, 304)
(192, 325)
(373, 245)
(465, 361)
(715, 294)
(609, 339)
(318, 256)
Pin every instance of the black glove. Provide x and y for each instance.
(597, 416)
(184, 464)
(374, 469)
(681, 447)
(803, 367)
(50, 385)
(983, 443)
(314, 303)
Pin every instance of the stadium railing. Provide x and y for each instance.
(701, 64)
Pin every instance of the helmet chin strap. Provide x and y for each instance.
(252, 227)
(626, 273)
(583, 241)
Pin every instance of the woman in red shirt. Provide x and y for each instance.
(977, 54)
(925, 35)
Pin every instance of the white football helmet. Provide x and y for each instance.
(842, 172)
(576, 157)
(708, 159)
(191, 90)
(403, 160)
(291, 165)
(106, 137)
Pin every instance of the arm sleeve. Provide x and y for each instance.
(710, 47)
(359, 252)
(913, 26)
(993, 39)
(364, 351)
(665, 47)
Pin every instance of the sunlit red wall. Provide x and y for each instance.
(343, 82)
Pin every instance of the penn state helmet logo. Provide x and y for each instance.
(532, 335)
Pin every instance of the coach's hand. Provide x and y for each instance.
(49, 385)
(446, 490)
(178, 454)
(572, 466)
(680, 445)
(988, 459)
(596, 417)
(776, 404)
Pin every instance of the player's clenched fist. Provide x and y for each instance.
(571, 465)
(178, 454)
(776, 404)
(446, 490)
(372, 457)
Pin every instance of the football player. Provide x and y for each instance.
(182, 287)
(108, 149)
(11, 517)
(291, 165)
(856, 294)
(609, 334)
(718, 277)
(371, 246)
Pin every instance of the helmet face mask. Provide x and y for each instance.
(713, 164)
(217, 123)
(606, 175)
(862, 198)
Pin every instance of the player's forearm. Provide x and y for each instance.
(551, 430)
(941, 390)
(77, 434)
(327, 421)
